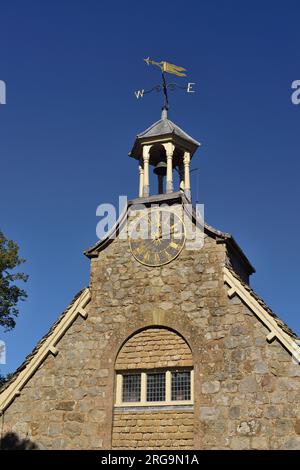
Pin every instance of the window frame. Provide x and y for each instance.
(143, 395)
(138, 386)
(155, 388)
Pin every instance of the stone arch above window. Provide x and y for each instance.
(154, 381)
(154, 348)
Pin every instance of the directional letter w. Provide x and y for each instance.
(139, 93)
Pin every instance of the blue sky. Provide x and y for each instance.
(71, 117)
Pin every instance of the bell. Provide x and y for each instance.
(160, 169)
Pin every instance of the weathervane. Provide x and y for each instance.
(166, 67)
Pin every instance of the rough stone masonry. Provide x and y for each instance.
(247, 390)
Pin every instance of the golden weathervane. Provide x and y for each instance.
(166, 67)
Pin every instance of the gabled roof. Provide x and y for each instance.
(47, 345)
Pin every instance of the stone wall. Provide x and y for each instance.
(247, 391)
(63, 406)
(153, 430)
(154, 348)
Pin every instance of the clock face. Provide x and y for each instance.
(157, 237)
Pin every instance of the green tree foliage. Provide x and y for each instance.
(10, 292)
(4, 379)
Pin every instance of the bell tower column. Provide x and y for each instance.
(146, 157)
(169, 147)
(141, 173)
(187, 183)
(164, 147)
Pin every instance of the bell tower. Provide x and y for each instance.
(165, 147)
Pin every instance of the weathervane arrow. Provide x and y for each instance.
(166, 67)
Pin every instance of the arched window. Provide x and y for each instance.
(154, 367)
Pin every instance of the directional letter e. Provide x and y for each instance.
(2, 92)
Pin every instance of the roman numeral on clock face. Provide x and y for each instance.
(159, 246)
(173, 245)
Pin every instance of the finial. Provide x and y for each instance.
(166, 68)
(164, 112)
